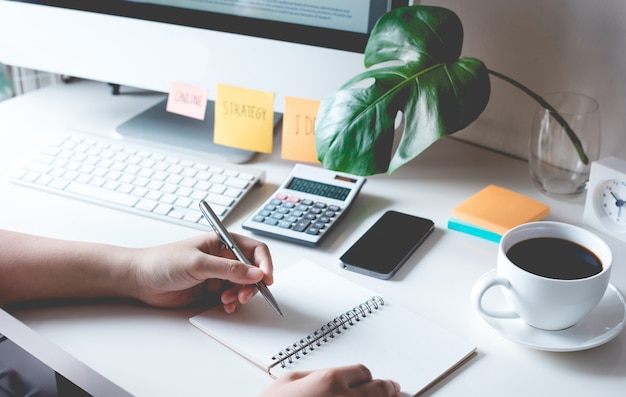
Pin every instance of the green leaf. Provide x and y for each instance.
(419, 75)
(422, 34)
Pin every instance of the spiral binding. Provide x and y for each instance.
(327, 331)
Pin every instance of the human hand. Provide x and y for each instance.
(349, 381)
(200, 270)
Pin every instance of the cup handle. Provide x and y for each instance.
(478, 291)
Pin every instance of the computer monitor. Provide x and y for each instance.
(30, 364)
(304, 48)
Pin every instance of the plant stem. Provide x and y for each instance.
(553, 112)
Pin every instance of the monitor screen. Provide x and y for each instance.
(327, 23)
(305, 49)
(298, 48)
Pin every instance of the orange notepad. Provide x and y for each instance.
(498, 209)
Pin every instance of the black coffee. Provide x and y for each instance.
(554, 258)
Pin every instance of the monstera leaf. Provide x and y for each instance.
(419, 75)
(415, 72)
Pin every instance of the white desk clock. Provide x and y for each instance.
(605, 207)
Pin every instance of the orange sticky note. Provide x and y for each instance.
(498, 209)
(299, 129)
(244, 118)
(187, 100)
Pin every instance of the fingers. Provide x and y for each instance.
(354, 374)
(221, 263)
(379, 387)
(255, 251)
(232, 270)
(352, 380)
(359, 379)
(233, 297)
(259, 254)
(216, 262)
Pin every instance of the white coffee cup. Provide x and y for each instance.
(541, 301)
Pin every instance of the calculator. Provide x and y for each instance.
(306, 206)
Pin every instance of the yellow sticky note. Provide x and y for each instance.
(187, 100)
(244, 118)
(497, 209)
(298, 129)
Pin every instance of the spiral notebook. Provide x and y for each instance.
(330, 321)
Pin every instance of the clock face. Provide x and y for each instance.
(605, 209)
(612, 201)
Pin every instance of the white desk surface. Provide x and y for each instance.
(154, 352)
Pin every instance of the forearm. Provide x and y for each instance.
(34, 267)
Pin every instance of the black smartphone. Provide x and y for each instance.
(387, 244)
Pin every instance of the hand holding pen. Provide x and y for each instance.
(231, 244)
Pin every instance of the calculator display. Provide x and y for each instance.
(318, 188)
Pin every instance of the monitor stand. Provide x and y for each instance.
(159, 127)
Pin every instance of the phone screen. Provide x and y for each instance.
(385, 246)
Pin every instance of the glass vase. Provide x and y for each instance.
(555, 165)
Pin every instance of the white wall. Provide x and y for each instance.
(548, 45)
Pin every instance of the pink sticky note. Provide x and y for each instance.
(187, 100)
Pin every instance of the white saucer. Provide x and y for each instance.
(604, 323)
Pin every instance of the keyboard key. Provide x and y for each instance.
(236, 182)
(146, 205)
(102, 194)
(218, 199)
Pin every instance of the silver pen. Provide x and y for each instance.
(231, 244)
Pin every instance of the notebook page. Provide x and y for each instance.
(392, 341)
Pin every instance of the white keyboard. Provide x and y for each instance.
(135, 179)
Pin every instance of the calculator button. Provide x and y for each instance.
(313, 230)
(318, 225)
(271, 221)
(301, 226)
(258, 218)
(315, 211)
(284, 225)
